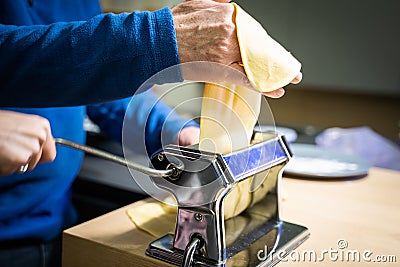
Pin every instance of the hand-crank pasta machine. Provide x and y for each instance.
(200, 181)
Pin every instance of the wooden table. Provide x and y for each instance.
(346, 219)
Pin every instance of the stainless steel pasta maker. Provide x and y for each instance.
(200, 181)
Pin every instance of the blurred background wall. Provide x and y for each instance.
(346, 45)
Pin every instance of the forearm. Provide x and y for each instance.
(75, 63)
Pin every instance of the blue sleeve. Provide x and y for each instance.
(149, 123)
(83, 62)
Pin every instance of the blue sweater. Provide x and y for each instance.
(93, 58)
(84, 58)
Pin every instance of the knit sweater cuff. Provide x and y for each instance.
(166, 47)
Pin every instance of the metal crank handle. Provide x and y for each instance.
(120, 160)
(188, 254)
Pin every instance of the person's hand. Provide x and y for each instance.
(205, 31)
(188, 136)
(24, 139)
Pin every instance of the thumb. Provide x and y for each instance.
(49, 149)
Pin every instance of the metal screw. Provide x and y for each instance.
(175, 172)
(160, 157)
(198, 217)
